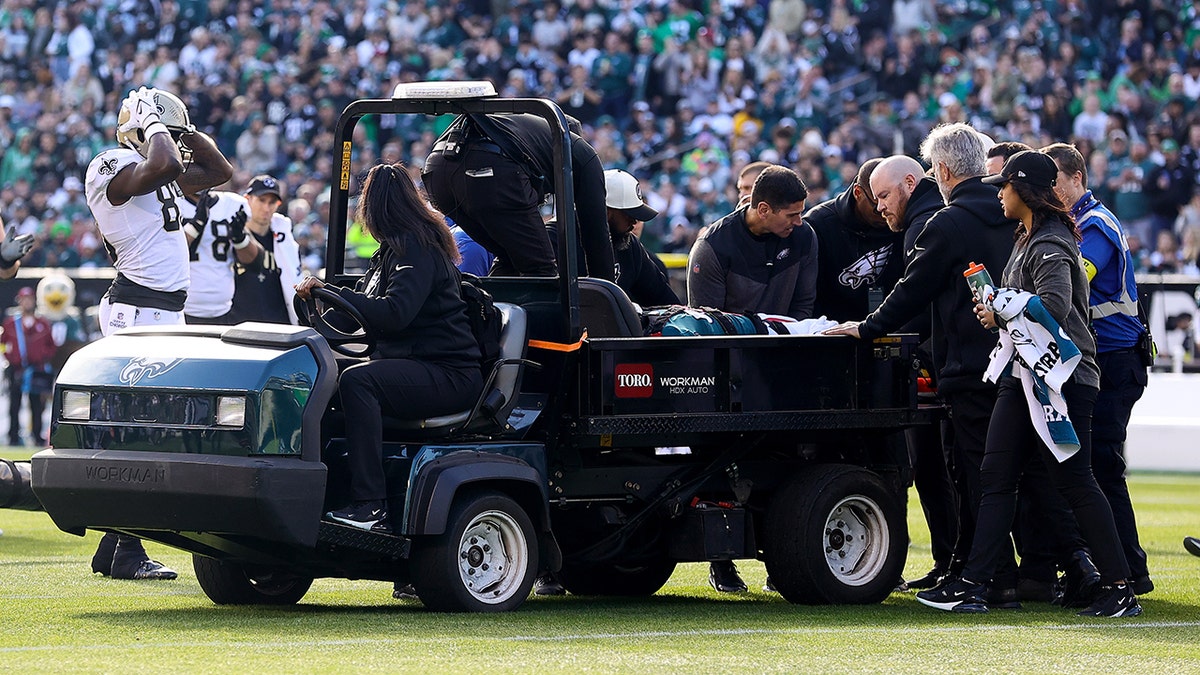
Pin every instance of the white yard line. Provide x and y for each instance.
(632, 635)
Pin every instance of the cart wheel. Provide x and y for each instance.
(616, 580)
(228, 583)
(836, 535)
(486, 561)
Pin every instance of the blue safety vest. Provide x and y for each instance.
(1113, 298)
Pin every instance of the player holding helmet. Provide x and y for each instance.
(135, 192)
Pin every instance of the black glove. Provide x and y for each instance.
(14, 247)
(237, 229)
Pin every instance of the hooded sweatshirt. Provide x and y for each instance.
(970, 228)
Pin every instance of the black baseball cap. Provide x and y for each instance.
(1031, 167)
(263, 184)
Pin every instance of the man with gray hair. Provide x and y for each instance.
(970, 229)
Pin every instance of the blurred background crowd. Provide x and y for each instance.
(681, 93)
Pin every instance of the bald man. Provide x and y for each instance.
(971, 229)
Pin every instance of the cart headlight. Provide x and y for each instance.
(231, 411)
(76, 405)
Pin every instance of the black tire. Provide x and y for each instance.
(486, 561)
(628, 581)
(835, 535)
(228, 583)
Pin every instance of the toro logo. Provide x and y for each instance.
(634, 380)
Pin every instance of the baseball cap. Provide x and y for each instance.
(263, 184)
(1028, 166)
(25, 292)
(72, 183)
(1169, 145)
(622, 192)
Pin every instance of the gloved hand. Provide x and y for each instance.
(143, 113)
(237, 229)
(14, 247)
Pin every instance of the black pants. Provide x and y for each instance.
(37, 406)
(491, 198)
(404, 388)
(1122, 382)
(938, 498)
(1045, 533)
(1011, 441)
(970, 414)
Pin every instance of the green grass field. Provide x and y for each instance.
(57, 617)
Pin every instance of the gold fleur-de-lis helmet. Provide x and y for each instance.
(171, 111)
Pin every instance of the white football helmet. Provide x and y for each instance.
(171, 111)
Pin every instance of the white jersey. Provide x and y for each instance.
(143, 235)
(212, 254)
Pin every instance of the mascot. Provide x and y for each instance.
(56, 302)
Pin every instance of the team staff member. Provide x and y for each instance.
(1045, 262)
(971, 228)
(1113, 307)
(859, 259)
(134, 192)
(490, 173)
(761, 258)
(264, 287)
(637, 272)
(215, 224)
(427, 360)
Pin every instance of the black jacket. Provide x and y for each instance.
(971, 228)
(639, 275)
(535, 140)
(732, 270)
(412, 303)
(853, 257)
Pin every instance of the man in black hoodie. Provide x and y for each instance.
(970, 228)
(859, 259)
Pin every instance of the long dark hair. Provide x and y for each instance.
(1046, 207)
(390, 207)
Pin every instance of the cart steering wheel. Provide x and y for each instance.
(338, 339)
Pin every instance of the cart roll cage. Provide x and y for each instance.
(563, 180)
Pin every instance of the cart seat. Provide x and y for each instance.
(491, 409)
(606, 311)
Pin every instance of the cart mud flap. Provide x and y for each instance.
(268, 498)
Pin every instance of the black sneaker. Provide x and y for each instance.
(361, 515)
(723, 576)
(1113, 602)
(1141, 585)
(931, 579)
(1077, 586)
(145, 569)
(769, 586)
(956, 595)
(548, 585)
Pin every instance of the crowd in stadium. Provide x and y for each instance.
(681, 93)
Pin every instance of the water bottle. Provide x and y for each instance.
(977, 278)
